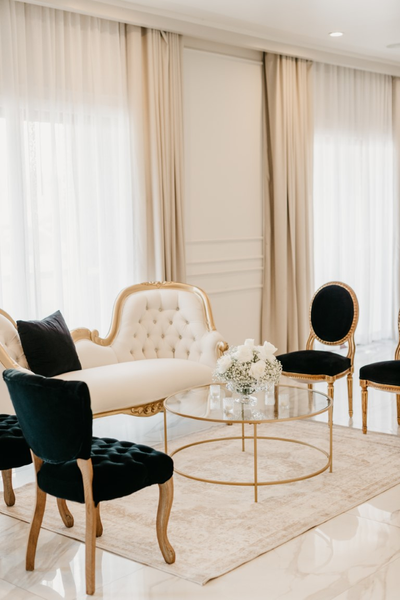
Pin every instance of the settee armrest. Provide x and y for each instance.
(212, 345)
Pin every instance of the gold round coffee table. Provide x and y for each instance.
(215, 404)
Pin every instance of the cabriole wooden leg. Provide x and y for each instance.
(364, 402)
(35, 528)
(350, 393)
(99, 524)
(163, 512)
(398, 408)
(86, 469)
(65, 514)
(9, 496)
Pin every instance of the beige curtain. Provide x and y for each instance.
(154, 60)
(396, 170)
(288, 272)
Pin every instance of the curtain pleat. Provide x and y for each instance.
(155, 92)
(288, 270)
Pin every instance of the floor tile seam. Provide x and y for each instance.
(26, 590)
(99, 588)
(359, 583)
(365, 518)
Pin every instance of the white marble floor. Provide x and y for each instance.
(355, 556)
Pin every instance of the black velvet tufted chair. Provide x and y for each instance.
(56, 419)
(383, 376)
(14, 453)
(333, 321)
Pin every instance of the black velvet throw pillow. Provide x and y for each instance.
(48, 346)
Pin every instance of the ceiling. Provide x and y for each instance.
(369, 26)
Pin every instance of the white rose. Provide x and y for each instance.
(244, 354)
(266, 352)
(223, 364)
(249, 343)
(257, 369)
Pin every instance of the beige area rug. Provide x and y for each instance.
(216, 528)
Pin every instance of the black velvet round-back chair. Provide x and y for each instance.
(384, 376)
(55, 417)
(333, 321)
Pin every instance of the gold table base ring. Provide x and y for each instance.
(253, 483)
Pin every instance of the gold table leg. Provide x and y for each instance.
(255, 464)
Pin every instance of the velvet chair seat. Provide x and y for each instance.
(14, 453)
(119, 469)
(314, 362)
(385, 373)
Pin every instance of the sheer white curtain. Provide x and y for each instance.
(354, 192)
(76, 225)
(66, 224)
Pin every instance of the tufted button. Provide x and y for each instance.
(148, 335)
(160, 310)
(154, 321)
(163, 336)
(177, 308)
(170, 322)
(156, 349)
(180, 337)
(173, 350)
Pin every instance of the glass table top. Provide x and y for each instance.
(217, 404)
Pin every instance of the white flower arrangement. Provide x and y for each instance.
(248, 368)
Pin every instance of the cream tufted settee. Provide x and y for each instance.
(162, 339)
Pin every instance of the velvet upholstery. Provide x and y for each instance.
(386, 372)
(332, 313)
(314, 362)
(54, 415)
(48, 345)
(56, 419)
(14, 451)
(119, 469)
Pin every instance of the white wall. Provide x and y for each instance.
(223, 190)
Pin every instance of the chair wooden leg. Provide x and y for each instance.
(65, 513)
(398, 408)
(330, 389)
(163, 512)
(37, 518)
(86, 469)
(9, 496)
(99, 524)
(350, 393)
(364, 402)
(35, 528)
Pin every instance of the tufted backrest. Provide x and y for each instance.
(10, 342)
(160, 323)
